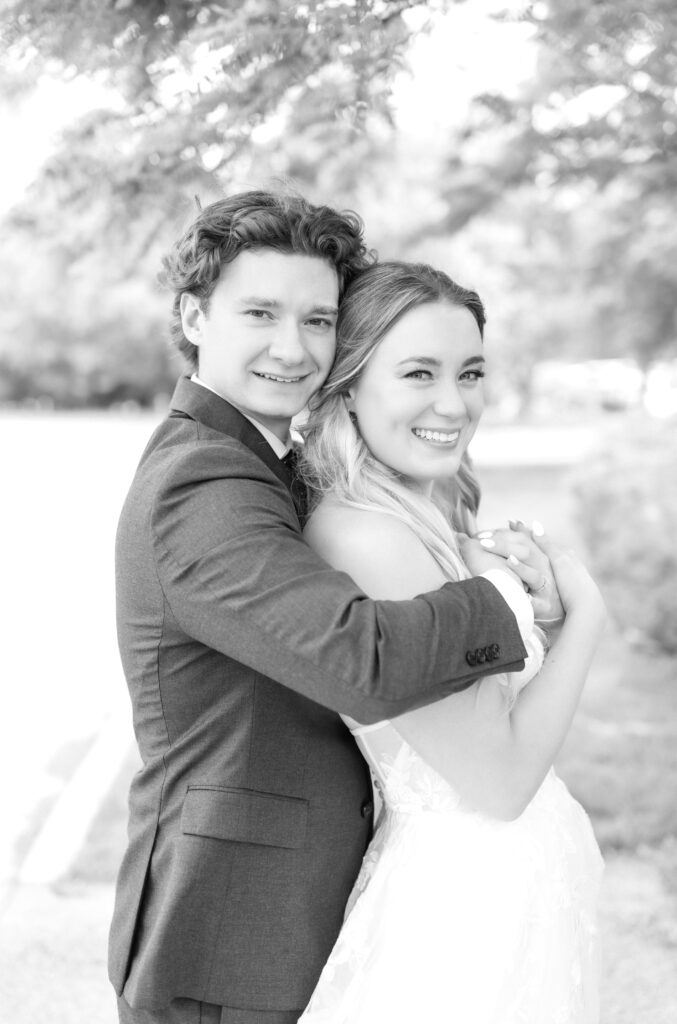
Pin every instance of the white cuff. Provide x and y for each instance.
(515, 597)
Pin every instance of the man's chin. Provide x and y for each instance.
(286, 410)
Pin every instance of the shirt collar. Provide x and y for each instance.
(279, 447)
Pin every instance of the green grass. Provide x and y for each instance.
(99, 859)
(620, 759)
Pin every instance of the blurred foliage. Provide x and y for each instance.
(193, 81)
(557, 203)
(590, 147)
(190, 85)
(627, 508)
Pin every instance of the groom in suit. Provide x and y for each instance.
(252, 811)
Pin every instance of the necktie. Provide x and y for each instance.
(297, 486)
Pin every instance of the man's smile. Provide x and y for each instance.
(280, 380)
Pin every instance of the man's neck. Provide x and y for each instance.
(279, 447)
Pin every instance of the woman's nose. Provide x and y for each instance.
(449, 401)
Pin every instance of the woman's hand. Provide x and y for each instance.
(518, 546)
(577, 589)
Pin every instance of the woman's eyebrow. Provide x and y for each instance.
(423, 360)
(429, 361)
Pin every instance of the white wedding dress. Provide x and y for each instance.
(456, 918)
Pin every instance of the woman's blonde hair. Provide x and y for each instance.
(336, 462)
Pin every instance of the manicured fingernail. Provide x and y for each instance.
(512, 560)
(537, 529)
(486, 543)
(512, 523)
(484, 533)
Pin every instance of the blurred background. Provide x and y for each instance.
(530, 150)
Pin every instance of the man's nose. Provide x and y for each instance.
(287, 345)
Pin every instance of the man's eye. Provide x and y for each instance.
(320, 321)
(258, 314)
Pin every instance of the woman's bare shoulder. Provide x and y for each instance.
(380, 551)
(335, 524)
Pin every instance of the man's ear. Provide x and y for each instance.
(192, 317)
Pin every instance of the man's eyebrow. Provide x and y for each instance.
(261, 303)
(257, 300)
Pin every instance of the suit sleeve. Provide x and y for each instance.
(239, 578)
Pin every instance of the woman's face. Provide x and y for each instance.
(420, 396)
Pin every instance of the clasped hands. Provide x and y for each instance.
(523, 553)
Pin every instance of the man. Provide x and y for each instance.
(252, 811)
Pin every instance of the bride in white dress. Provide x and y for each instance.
(476, 903)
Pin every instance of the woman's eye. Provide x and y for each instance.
(419, 375)
(472, 375)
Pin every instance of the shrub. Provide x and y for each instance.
(626, 507)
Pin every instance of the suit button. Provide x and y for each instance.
(481, 654)
(471, 657)
(367, 808)
(493, 652)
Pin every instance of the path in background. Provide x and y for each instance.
(66, 715)
(69, 474)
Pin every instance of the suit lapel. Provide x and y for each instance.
(200, 404)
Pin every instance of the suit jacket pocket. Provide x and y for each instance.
(245, 816)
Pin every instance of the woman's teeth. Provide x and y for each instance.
(436, 435)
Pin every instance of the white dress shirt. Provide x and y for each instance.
(279, 447)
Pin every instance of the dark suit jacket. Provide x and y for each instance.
(252, 810)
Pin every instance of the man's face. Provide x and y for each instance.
(267, 342)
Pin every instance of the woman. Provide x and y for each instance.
(476, 900)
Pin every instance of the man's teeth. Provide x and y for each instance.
(281, 380)
(436, 435)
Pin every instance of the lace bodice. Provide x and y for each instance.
(456, 916)
(401, 778)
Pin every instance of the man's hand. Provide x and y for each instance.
(518, 546)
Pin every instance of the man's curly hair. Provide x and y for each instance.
(285, 222)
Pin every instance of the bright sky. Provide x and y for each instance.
(29, 127)
(465, 53)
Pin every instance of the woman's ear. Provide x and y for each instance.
(192, 317)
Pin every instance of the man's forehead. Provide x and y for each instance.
(268, 274)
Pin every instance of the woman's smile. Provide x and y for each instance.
(436, 436)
